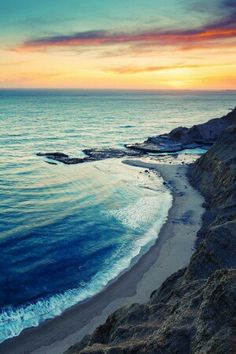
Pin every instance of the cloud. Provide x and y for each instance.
(141, 69)
(19, 62)
(97, 38)
(138, 69)
(28, 77)
(220, 29)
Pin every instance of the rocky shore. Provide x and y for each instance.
(194, 310)
(198, 136)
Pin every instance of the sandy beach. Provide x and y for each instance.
(171, 252)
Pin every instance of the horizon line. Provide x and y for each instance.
(111, 89)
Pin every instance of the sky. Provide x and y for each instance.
(122, 44)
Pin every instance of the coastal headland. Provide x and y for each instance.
(193, 309)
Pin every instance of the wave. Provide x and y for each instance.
(142, 212)
(14, 320)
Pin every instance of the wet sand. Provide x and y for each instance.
(171, 252)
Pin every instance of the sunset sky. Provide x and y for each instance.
(130, 44)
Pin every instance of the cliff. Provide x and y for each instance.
(194, 311)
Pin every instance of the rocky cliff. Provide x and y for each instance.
(194, 311)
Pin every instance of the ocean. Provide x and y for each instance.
(67, 231)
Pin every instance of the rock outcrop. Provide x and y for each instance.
(201, 135)
(61, 157)
(90, 155)
(194, 311)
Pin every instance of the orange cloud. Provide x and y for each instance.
(140, 69)
(191, 38)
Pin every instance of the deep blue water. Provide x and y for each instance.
(66, 231)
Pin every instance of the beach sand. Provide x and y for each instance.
(171, 252)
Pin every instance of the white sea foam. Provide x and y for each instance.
(13, 321)
(142, 212)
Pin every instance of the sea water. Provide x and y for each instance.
(66, 231)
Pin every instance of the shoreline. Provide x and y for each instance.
(168, 254)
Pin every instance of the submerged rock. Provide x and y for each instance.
(60, 157)
(91, 155)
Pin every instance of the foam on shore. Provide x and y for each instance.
(147, 215)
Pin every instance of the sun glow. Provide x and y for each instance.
(193, 57)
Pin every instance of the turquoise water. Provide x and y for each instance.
(66, 231)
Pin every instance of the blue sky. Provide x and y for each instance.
(24, 18)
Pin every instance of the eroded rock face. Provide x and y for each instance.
(194, 311)
(215, 175)
(181, 317)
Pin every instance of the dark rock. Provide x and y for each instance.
(60, 157)
(51, 163)
(159, 144)
(92, 155)
(101, 154)
(194, 317)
